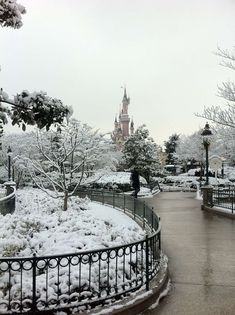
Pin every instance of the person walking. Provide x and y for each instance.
(135, 181)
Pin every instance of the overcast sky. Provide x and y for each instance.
(83, 51)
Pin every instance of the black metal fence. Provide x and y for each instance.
(83, 280)
(224, 198)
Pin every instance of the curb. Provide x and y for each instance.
(139, 301)
(215, 210)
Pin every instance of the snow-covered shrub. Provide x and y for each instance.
(117, 181)
(38, 227)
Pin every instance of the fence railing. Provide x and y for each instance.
(7, 203)
(224, 198)
(83, 280)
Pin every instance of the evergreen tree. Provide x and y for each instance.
(170, 148)
(140, 151)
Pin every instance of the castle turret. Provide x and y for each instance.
(124, 119)
(122, 130)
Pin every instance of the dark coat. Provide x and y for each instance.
(135, 179)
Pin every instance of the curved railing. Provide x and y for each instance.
(83, 280)
(7, 203)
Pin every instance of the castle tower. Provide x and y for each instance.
(122, 130)
(124, 117)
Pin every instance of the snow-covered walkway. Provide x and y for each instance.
(200, 247)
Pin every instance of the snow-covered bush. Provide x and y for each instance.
(38, 227)
(117, 181)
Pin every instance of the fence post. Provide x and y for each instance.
(207, 193)
(113, 200)
(232, 199)
(159, 237)
(147, 262)
(102, 196)
(124, 205)
(34, 265)
(152, 218)
(144, 215)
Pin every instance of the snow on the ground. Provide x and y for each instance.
(223, 209)
(186, 182)
(40, 225)
(229, 172)
(198, 195)
(144, 192)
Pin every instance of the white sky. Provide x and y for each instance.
(83, 51)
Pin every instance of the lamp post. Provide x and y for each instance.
(206, 135)
(9, 154)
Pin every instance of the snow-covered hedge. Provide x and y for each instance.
(118, 181)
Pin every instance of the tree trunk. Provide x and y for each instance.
(66, 200)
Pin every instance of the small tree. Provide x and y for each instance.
(67, 157)
(140, 151)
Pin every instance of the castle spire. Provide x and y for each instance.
(125, 96)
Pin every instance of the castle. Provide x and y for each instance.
(122, 130)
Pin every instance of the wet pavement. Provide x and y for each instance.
(201, 251)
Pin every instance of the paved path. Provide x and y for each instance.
(201, 251)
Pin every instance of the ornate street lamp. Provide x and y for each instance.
(9, 154)
(206, 135)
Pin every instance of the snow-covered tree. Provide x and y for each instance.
(189, 149)
(223, 116)
(170, 148)
(140, 151)
(224, 143)
(27, 108)
(35, 108)
(67, 157)
(22, 144)
(10, 13)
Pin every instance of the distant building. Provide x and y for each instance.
(123, 128)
